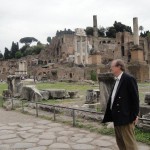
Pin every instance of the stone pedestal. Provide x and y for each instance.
(137, 55)
(106, 81)
(92, 96)
(13, 82)
(96, 59)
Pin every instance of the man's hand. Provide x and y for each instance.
(136, 120)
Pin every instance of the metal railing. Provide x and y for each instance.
(63, 107)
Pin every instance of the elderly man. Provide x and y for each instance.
(123, 106)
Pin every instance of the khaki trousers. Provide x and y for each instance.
(125, 137)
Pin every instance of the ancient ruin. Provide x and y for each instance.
(80, 54)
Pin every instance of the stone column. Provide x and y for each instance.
(86, 51)
(23, 68)
(95, 32)
(106, 81)
(136, 31)
(81, 51)
(75, 45)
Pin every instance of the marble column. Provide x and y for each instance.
(135, 31)
(95, 29)
(81, 51)
(86, 51)
(75, 53)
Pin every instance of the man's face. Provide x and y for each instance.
(114, 69)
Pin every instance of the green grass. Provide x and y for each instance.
(2, 87)
(63, 85)
(143, 88)
(140, 134)
(53, 101)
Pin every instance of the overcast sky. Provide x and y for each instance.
(41, 18)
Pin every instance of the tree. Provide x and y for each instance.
(145, 34)
(14, 49)
(117, 27)
(101, 31)
(23, 49)
(141, 28)
(7, 54)
(89, 30)
(28, 40)
(49, 40)
(1, 55)
(18, 55)
(111, 32)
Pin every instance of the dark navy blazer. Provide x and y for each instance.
(125, 107)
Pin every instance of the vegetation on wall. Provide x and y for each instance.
(93, 75)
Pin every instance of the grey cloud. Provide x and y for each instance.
(41, 18)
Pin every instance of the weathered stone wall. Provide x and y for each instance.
(139, 71)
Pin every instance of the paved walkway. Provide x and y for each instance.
(24, 132)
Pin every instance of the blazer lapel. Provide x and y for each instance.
(120, 82)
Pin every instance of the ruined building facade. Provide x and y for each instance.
(74, 55)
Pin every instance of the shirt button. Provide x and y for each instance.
(117, 104)
(118, 111)
(119, 97)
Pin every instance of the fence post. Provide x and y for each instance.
(22, 107)
(12, 104)
(37, 110)
(54, 114)
(73, 115)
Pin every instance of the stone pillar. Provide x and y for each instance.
(136, 31)
(106, 81)
(81, 51)
(13, 84)
(75, 45)
(95, 29)
(86, 51)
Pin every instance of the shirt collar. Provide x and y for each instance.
(119, 77)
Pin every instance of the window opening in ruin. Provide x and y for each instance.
(122, 50)
(70, 75)
(57, 51)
